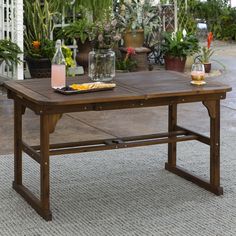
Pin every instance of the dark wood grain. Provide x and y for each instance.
(126, 142)
(18, 111)
(44, 164)
(33, 201)
(131, 86)
(31, 152)
(172, 122)
(200, 137)
(216, 189)
(214, 113)
(134, 90)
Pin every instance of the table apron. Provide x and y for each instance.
(114, 105)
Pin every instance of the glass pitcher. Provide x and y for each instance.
(198, 74)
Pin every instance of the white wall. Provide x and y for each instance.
(11, 27)
(19, 39)
(233, 3)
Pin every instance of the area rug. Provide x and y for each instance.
(124, 192)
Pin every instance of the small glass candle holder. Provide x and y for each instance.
(198, 74)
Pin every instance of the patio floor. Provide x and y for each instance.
(107, 124)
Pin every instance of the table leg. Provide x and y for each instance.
(214, 113)
(172, 123)
(213, 185)
(44, 167)
(41, 205)
(18, 111)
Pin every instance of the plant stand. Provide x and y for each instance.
(140, 57)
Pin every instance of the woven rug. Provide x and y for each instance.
(124, 192)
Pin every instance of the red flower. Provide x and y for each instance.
(209, 39)
(130, 51)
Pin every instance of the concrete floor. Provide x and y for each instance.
(108, 124)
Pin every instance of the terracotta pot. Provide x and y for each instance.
(134, 39)
(174, 63)
(39, 67)
(82, 56)
(207, 67)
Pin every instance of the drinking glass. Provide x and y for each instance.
(198, 74)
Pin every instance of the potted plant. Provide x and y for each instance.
(39, 49)
(138, 21)
(206, 53)
(89, 14)
(9, 52)
(81, 30)
(130, 21)
(176, 47)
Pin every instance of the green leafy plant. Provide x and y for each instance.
(228, 23)
(98, 10)
(86, 28)
(130, 17)
(212, 11)
(186, 15)
(68, 56)
(179, 44)
(9, 52)
(41, 49)
(206, 52)
(141, 18)
(151, 24)
(137, 15)
(38, 21)
(128, 65)
(103, 33)
(81, 28)
(205, 55)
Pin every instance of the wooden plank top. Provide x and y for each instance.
(130, 86)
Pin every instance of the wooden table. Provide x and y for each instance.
(134, 90)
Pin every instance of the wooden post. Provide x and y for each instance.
(44, 166)
(213, 108)
(18, 111)
(215, 146)
(172, 127)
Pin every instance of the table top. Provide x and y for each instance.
(130, 86)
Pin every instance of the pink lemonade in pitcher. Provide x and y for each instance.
(58, 76)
